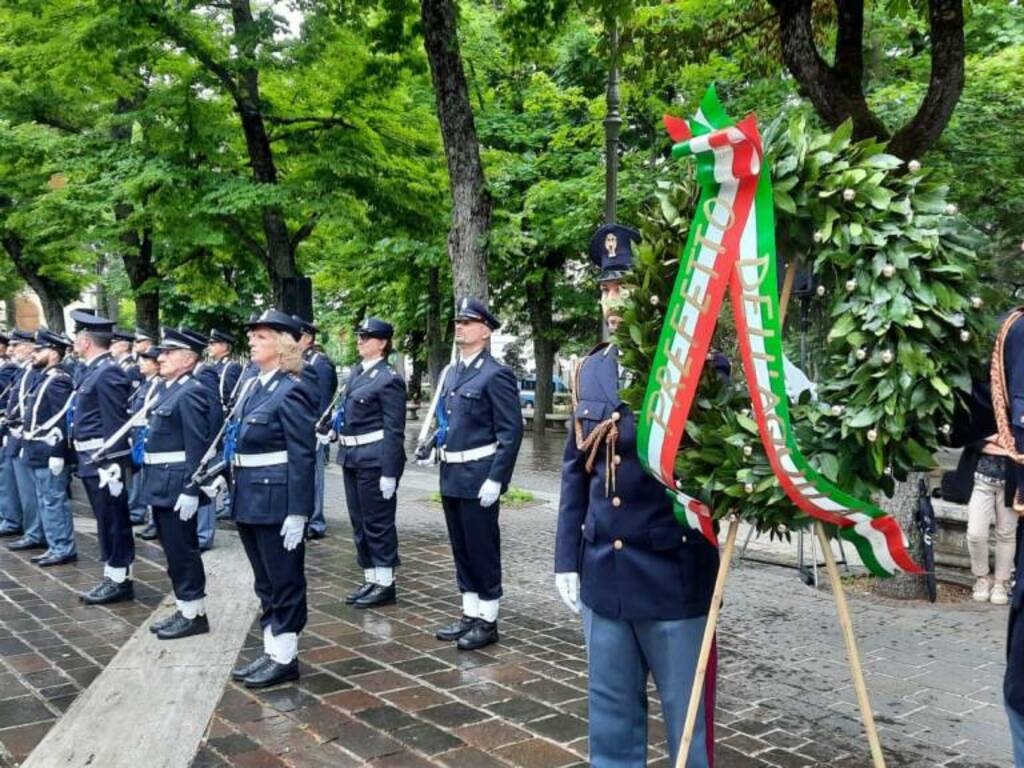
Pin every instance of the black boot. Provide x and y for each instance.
(180, 626)
(377, 596)
(358, 592)
(482, 634)
(109, 591)
(273, 673)
(159, 624)
(456, 630)
(23, 544)
(242, 672)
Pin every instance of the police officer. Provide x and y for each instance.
(480, 430)
(143, 341)
(370, 425)
(10, 508)
(320, 374)
(23, 496)
(177, 438)
(121, 346)
(274, 467)
(646, 582)
(229, 372)
(100, 440)
(44, 448)
(143, 397)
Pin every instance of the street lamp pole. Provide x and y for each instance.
(612, 125)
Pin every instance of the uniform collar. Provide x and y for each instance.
(368, 364)
(89, 363)
(466, 362)
(266, 377)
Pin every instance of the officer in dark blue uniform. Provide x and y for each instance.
(100, 440)
(321, 375)
(24, 489)
(121, 345)
(274, 467)
(143, 341)
(44, 448)
(370, 427)
(143, 397)
(480, 430)
(177, 438)
(229, 372)
(10, 507)
(646, 582)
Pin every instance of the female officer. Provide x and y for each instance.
(274, 468)
(370, 424)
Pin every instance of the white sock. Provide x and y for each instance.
(369, 574)
(488, 610)
(470, 604)
(116, 575)
(192, 608)
(268, 640)
(284, 647)
(384, 576)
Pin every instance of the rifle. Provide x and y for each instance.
(206, 472)
(127, 427)
(324, 422)
(425, 443)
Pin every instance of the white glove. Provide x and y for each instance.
(53, 437)
(292, 531)
(323, 438)
(56, 465)
(110, 478)
(186, 507)
(215, 487)
(568, 585)
(332, 436)
(489, 493)
(388, 486)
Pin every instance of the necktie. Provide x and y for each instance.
(460, 368)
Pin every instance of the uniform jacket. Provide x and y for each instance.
(374, 400)
(278, 416)
(228, 374)
(45, 401)
(635, 561)
(208, 376)
(131, 367)
(482, 407)
(8, 373)
(24, 380)
(101, 409)
(1013, 359)
(178, 421)
(325, 380)
(149, 389)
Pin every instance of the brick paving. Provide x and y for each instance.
(377, 689)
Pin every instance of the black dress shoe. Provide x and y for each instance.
(109, 591)
(273, 673)
(482, 634)
(48, 560)
(179, 626)
(148, 533)
(159, 624)
(358, 592)
(11, 533)
(242, 672)
(23, 544)
(377, 596)
(316, 535)
(456, 630)
(40, 556)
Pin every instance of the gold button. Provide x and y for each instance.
(616, 501)
(617, 544)
(616, 416)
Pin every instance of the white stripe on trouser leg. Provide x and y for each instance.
(116, 575)
(470, 604)
(369, 574)
(384, 576)
(192, 608)
(284, 647)
(488, 610)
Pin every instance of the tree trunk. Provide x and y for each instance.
(50, 294)
(540, 300)
(471, 203)
(143, 277)
(414, 387)
(438, 353)
(901, 506)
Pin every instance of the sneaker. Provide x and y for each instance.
(982, 590)
(999, 595)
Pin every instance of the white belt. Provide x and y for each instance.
(89, 445)
(473, 454)
(260, 459)
(367, 439)
(167, 457)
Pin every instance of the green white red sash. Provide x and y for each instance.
(732, 246)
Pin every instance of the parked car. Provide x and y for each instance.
(528, 391)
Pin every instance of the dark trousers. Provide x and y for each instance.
(114, 529)
(373, 518)
(279, 577)
(476, 545)
(180, 541)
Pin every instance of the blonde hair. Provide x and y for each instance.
(290, 354)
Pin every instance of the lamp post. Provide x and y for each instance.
(612, 125)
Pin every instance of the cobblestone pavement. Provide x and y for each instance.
(378, 689)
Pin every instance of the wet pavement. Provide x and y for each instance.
(378, 689)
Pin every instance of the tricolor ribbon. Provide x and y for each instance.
(731, 246)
